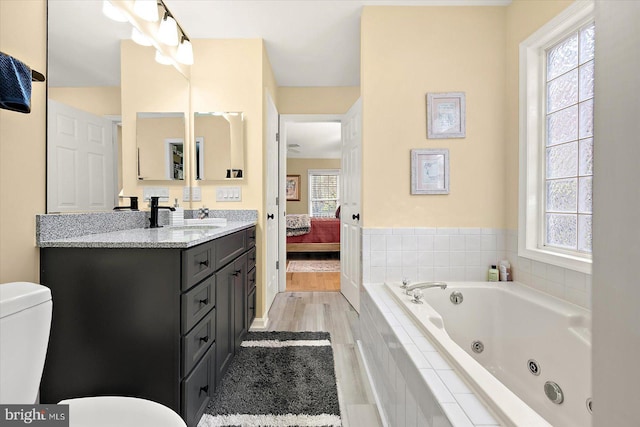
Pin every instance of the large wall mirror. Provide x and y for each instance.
(97, 84)
(219, 145)
(160, 146)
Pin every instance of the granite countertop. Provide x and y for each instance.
(161, 238)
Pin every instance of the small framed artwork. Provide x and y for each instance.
(430, 171)
(446, 115)
(293, 187)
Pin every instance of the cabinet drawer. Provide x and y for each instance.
(230, 247)
(197, 342)
(251, 307)
(197, 389)
(251, 258)
(197, 302)
(197, 263)
(251, 237)
(251, 280)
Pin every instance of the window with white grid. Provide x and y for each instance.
(556, 140)
(324, 192)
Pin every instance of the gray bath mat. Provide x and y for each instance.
(278, 379)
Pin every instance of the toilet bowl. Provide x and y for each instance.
(25, 320)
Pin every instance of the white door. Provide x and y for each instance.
(80, 159)
(272, 206)
(350, 230)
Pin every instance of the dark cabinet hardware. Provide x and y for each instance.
(205, 388)
(356, 217)
(205, 339)
(204, 301)
(237, 273)
(270, 216)
(205, 263)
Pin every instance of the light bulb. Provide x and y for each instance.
(147, 10)
(185, 53)
(140, 38)
(168, 31)
(161, 59)
(113, 12)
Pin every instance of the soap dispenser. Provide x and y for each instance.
(177, 216)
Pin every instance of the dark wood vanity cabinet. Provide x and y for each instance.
(159, 324)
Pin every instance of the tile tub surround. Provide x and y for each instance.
(462, 254)
(415, 385)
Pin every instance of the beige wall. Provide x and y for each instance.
(148, 87)
(407, 52)
(301, 167)
(98, 100)
(151, 133)
(22, 145)
(316, 100)
(523, 18)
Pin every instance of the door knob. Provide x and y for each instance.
(269, 216)
(356, 217)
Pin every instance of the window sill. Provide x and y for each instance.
(567, 261)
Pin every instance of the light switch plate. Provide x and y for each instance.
(186, 194)
(228, 194)
(196, 194)
(162, 192)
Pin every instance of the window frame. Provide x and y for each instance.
(312, 172)
(532, 126)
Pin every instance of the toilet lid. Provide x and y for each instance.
(18, 296)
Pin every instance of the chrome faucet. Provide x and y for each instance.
(424, 285)
(203, 213)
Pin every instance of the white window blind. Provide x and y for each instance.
(324, 192)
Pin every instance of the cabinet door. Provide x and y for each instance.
(224, 319)
(239, 300)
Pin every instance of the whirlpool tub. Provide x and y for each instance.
(518, 348)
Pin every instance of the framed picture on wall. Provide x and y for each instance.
(430, 171)
(293, 187)
(446, 115)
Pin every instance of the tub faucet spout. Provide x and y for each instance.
(425, 285)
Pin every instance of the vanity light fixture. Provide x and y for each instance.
(113, 12)
(185, 52)
(147, 10)
(162, 59)
(140, 38)
(168, 31)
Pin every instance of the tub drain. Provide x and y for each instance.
(477, 347)
(533, 366)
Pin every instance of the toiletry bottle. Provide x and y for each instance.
(505, 270)
(493, 274)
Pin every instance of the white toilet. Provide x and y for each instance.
(25, 320)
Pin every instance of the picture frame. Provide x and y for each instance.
(292, 188)
(430, 171)
(446, 116)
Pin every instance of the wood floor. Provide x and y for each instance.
(313, 282)
(330, 311)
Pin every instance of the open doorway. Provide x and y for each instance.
(313, 160)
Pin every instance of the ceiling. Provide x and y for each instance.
(309, 42)
(316, 140)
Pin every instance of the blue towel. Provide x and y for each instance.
(15, 84)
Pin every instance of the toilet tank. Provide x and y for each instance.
(25, 320)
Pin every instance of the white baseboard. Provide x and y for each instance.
(259, 324)
(383, 416)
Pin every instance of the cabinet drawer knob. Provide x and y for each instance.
(205, 263)
(237, 272)
(205, 388)
(204, 301)
(205, 339)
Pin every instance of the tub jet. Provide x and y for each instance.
(553, 392)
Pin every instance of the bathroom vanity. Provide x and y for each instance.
(155, 314)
